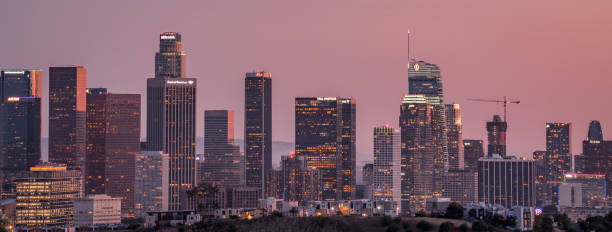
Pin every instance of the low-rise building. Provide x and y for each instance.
(171, 218)
(97, 210)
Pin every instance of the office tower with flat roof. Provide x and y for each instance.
(349, 149)
(20, 83)
(20, 136)
(417, 153)
(596, 155)
(67, 117)
(454, 136)
(425, 79)
(318, 137)
(122, 146)
(222, 162)
(496, 134)
(151, 182)
(507, 181)
(460, 186)
(542, 195)
(97, 210)
(367, 174)
(170, 60)
(558, 158)
(299, 183)
(257, 128)
(45, 197)
(387, 164)
(171, 118)
(593, 188)
(95, 156)
(472, 151)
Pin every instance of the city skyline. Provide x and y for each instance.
(466, 74)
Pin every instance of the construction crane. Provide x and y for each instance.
(505, 102)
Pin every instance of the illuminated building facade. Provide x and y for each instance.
(320, 125)
(349, 149)
(425, 79)
(151, 182)
(596, 155)
(257, 128)
(460, 186)
(67, 117)
(222, 162)
(97, 210)
(472, 151)
(387, 164)
(20, 83)
(558, 158)
(95, 156)
(170, 60)
(496, 134)
(299, 183)
(506, 181)
(593, 188)
(542, 190)
(417, 161)
(45, 197)
(454, 136)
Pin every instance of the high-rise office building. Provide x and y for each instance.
(506, 181)
(593, 188)
(461, 186)
(417, 153)
(257, 128)
(151, 182)
(596, 155)
(113, 140)
(95, 157)
(472, 151)
(299, 183)
(67, 117)
(45, 197)
(425, 79)
(222, 162)
(319, 129)
(20, 125)
(542, 189)
(367, 174)
(171, 117)
(454, 136)
(170, 60)
(496, 134)
(558, 158)
(349, 149)
(387, 164)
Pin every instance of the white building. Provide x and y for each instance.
(525, 216)
(387, 164)
(151, 182)
(97, 210)
(272, 204)
(570, 194)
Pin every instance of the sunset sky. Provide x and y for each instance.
(554, 56)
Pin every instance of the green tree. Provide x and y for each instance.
(385, 220)
(406, 226)
(472, 213)
(464, 227)
(478, 226)
(446, 226)
(424, 225)
(421, 213)
(392, 228)
(544, 224)
(454, 210)
(397, 220)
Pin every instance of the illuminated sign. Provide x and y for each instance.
(167, 37)
(179, 82)
(14, 72)
(538, 211)
(12, 99)
(326, 98)
(416, 67)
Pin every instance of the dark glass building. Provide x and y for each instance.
(257, 128)
(558, 158)
(472, 151)
(222, 158)
(349, 149)
(299, 183)
(67, 117)
(95, 158)
(596, 155)
(20, 83)
(454, 135)
(170, 60)
(20, 135)
(496, 134)
(595, 133)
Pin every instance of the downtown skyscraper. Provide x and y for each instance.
(472, 151)
(319, 131)
(387, 164)
(171, 118)
(67, 117)
(557, 160)
(455, 137)
(223, 162)
(597, 155)
(258, 128)
(20, 121)
(496, 134)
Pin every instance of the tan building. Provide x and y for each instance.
(97, 210)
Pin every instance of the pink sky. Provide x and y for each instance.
(554, 56)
